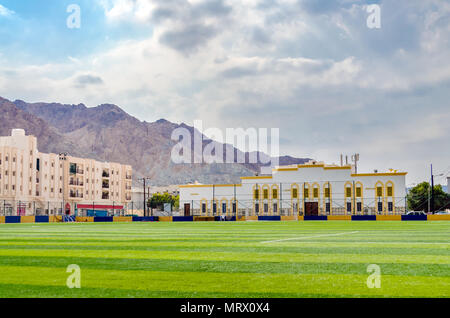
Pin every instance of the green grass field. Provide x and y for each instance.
(243, 259)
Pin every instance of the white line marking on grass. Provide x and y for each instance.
(307, 237)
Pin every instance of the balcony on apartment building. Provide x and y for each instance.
(128, 176)
(76, 183)
(105, 185)
(105, 174)
(76, 195)
(105, 196)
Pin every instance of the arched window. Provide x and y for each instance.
(379, 196)
(306, 192)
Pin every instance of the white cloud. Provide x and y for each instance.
(5, 11)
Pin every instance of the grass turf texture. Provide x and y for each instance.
(315, 259)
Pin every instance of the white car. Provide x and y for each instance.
(442, 213)
(416, 213)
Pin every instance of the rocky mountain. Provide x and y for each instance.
(107, 133)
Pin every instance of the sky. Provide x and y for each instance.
(312, 68)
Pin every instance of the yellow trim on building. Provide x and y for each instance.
(257, 177)
(312, 166)
(165, 219)
(380, 174)
(208, 185)
(338, 168)
(2, 219)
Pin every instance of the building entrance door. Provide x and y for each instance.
(187, 209)
(311, 208)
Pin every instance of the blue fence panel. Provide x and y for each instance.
(414, 218)
(12, 219)
(150, 219)
(364, 217)
(316, 218)
(183, 219)
(42, 219)
(103, 219)
(269, 218)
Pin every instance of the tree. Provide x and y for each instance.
(418, 198)
(158, 200)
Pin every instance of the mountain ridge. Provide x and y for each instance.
(108, 133)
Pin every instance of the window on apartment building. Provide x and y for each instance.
(390, 206)
(295, 193)
(13, 187)
(265, 194)
(14, 159)
(306, 195)
(53, 177)
(53, 164)
(6, 172)
(327, 207)
(60, 190)
(6, 158)
(51, 190)
(266, 208)
(358, 192)
(327, 192)
(256, 194)
(14, 173)
(203, 208)
(6, 187)
(359, 206)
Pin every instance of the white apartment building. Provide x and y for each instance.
(313, 188)
(48, 184)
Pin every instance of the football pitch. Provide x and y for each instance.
(226, 259)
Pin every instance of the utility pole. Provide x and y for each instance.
(145, 192)
(63, 158)
(432, 190)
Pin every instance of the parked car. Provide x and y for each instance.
(416, 213)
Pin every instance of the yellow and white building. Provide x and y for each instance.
(33, 182)
(313, 188)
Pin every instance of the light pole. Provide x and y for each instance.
(63, 159)
(432, 188)
(145, 191)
